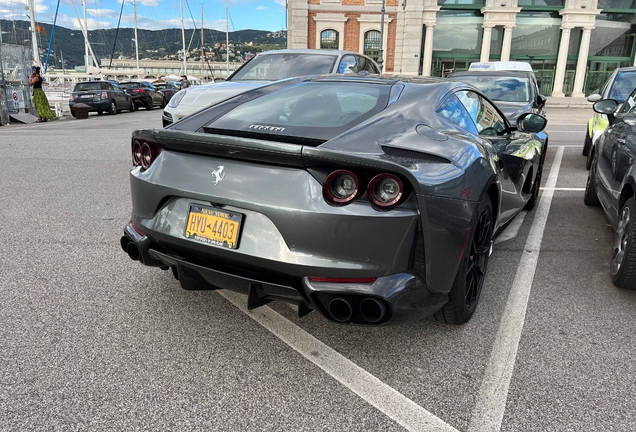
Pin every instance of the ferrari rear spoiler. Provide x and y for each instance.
(248, 149)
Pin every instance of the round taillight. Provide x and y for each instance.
(146, 155)
(341, 186)
(136, 153)
(385, 190)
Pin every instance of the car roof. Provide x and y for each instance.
(508, 73)
(310, 51)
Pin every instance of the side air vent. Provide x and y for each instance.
(413, 155)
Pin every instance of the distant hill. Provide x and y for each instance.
(155, 44)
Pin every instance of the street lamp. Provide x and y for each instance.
(381, 50)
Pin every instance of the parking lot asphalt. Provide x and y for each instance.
(93, 341)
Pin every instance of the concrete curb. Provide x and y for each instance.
(568, 102)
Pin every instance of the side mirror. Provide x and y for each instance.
(594, 97)
(606, 106)
(541, 100)
(530, 122)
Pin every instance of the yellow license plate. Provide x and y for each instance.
(213, 226)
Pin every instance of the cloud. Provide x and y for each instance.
(259, 8)
(103, 13)
(73, 23)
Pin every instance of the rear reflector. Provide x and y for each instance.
(342, 280)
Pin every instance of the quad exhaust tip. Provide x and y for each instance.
(340, 309)
(372, 310)
(130, 248)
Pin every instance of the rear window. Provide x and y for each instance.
(313, 110)
(272, 67)
(500, 88)
(88, 86)
(129, 85)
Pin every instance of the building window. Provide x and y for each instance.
(541, 3)
(536, 34)
(329, 39)
(372, 44)
(616, 4)
(613, 35)
(460, 2)
(458, 32)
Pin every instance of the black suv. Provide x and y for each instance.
(514, 92)
(100, 96)
(144, 94)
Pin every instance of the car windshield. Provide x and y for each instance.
(314, 110)
(624, 84)
(272, 67)
(129, 85)
(88, 86)
(500, 88)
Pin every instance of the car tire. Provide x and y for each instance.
(536, 186)
(464, 295)
(100, 112)
(590, 155)
(623, 258)
(587, 144)
(164, 102)
(131, 108)
(112, 110)
(590, 197)
(149, 105)
(72, 112)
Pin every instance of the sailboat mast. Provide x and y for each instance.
(86, 55)
(227, 41)
(202, 49)
(185, 67)
(136, 40)
(34, 39)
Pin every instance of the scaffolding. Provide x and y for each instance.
(15, 92)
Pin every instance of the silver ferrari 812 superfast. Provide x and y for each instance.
(371, 199)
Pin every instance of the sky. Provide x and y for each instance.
(154, 14)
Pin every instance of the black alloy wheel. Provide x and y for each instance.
(131, 108)
(149, 105)
(163, 102)
(623, 259)
(100, 112)
(113, 108)
(464, 295)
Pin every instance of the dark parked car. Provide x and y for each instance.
(618, 86)
(168, 88)
(373, 200)
(514, 92)
(611, 183)
(100, 96)
(144, 94)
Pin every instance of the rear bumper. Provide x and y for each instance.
(398, 298)
(103, 104)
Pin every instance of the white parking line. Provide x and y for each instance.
(491, 400)
(563, 189)
(383, 397)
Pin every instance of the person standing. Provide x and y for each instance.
(39, 98)
(185, 83)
